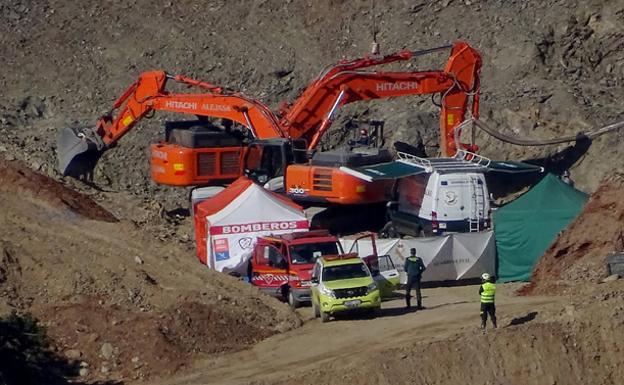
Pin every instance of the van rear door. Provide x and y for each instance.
(453, 198)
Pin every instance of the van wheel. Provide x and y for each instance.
(324, 317)
(292, 301)
(389, 231)
(315, 310)
(427, 232)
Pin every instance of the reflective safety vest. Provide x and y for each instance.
(489, 290)
(414, 266)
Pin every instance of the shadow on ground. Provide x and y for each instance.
(524, 319)
(27, 359)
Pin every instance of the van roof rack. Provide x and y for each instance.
(462, 161)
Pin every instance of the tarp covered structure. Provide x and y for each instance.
(412, 165)
(448, 258)
(527, 226)
(227, 225)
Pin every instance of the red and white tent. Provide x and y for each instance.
(228, 224)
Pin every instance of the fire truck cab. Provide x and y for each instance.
(281, 265)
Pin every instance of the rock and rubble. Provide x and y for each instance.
(73, 265)
(550, 68)
(578, 255)
(111, 264)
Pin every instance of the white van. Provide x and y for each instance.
(441, 201)
(438, 195)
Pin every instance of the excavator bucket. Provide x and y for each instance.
(78, 151)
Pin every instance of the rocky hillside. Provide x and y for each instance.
(579, 254)
(551, 68)
(117, 303)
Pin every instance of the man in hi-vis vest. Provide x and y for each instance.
(487, 291)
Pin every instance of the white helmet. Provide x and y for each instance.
(485, 276)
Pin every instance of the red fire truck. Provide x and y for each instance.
(281, 265)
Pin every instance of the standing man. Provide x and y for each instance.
(487, 291)
(414, 268)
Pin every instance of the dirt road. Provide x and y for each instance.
(449, 311)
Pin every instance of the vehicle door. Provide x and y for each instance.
(366, 248)
(453, 199)
(315, 280)
(385, 275)
(270, 268)
(388, 276)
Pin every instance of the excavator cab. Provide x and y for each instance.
(372, 137)
(266, 160)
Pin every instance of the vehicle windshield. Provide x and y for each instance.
(352, 270)
(309, 252)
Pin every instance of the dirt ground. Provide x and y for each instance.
(540, 340)
(114, 299)
(110, 269)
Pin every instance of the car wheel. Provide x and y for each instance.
(324, 317)
(292, 301)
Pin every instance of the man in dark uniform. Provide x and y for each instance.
(414, 268)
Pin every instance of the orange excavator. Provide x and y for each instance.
(279, 152)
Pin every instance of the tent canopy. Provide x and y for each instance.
(527, 226)
(227, 225)
(225, 197)
(253, 204)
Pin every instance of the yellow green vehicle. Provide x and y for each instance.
(343, 283)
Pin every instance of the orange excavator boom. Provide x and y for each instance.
(310, 115)
(79, 149)
(307, 119)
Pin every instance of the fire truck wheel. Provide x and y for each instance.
(292, 301)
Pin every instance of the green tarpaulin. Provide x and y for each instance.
(527, 226)
(513, 167)
(391, 170)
